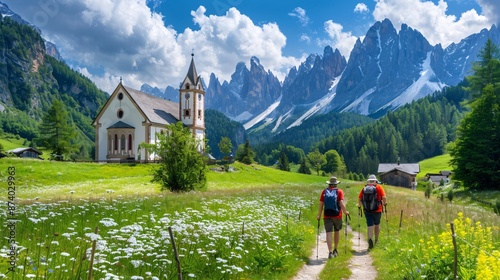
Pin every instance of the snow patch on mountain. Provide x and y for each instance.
(320, 104)
(378, 56)
(361, 104)
(262, 115)
(281, 119)
(243, 116)
(420, 88)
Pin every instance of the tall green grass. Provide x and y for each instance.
(247, 211)
(240, 234)
(413, 250)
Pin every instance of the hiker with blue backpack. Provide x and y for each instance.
(331, 204)
(372, 198)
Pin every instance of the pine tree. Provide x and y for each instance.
(245, 154)
(283, 163)
(304, 167)
(56, 130)
(487, 69)
(476, 152)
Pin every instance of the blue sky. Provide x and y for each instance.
(150, 41)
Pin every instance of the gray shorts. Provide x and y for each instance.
(332, 224)
(373, 218)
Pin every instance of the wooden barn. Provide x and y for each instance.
(399, 174)
(26, 152)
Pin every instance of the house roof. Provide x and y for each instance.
(121, 124)
(156, 110)
(18, 151)
(437, 178)
(410, 168)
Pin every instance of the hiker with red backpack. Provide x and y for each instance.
(331, 203)
(372, 198)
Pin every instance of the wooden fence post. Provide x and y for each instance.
(92, 253)
(455, 261)
(400, 220)
(179, 271)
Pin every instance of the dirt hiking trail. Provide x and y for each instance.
(361, 263)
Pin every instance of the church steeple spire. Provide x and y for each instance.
(192, 73)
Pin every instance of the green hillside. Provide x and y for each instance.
(434, 165)
(30, 80)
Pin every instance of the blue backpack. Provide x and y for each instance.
(331, 202)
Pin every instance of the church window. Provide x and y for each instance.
(130, 142)
(120, 96)
(187, 86)
(116, 143)
(199, 114)
(120, 113)
(122, 142)
(186, 112)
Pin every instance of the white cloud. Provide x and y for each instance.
(432, 20)
(305, 38)
(124, 38)
(300, 14)
(223, 41)
(361, 8)
(343, 41)
(491, 10)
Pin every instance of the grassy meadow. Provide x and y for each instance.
(254, 223)
(434, 165)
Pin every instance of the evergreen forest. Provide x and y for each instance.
(30, 81)
(414, 132)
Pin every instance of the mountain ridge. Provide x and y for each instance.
(386, 70)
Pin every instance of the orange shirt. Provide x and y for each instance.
(340, 196)
(380, 194)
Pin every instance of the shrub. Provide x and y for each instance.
(496, 206)
(450, 195)
(476, 255)
(428, 190)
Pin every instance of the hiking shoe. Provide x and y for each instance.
(330, 255)
(335, 253)
(370, 244)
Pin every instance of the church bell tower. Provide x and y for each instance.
(192, 104)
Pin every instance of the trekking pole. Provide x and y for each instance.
(317, 242)
(345, 243)
(346, 224)
(360, 213)
(386, 220)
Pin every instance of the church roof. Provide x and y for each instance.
(121, 124)
(157, 110)
(192, 73)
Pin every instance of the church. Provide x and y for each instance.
(131, 117)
